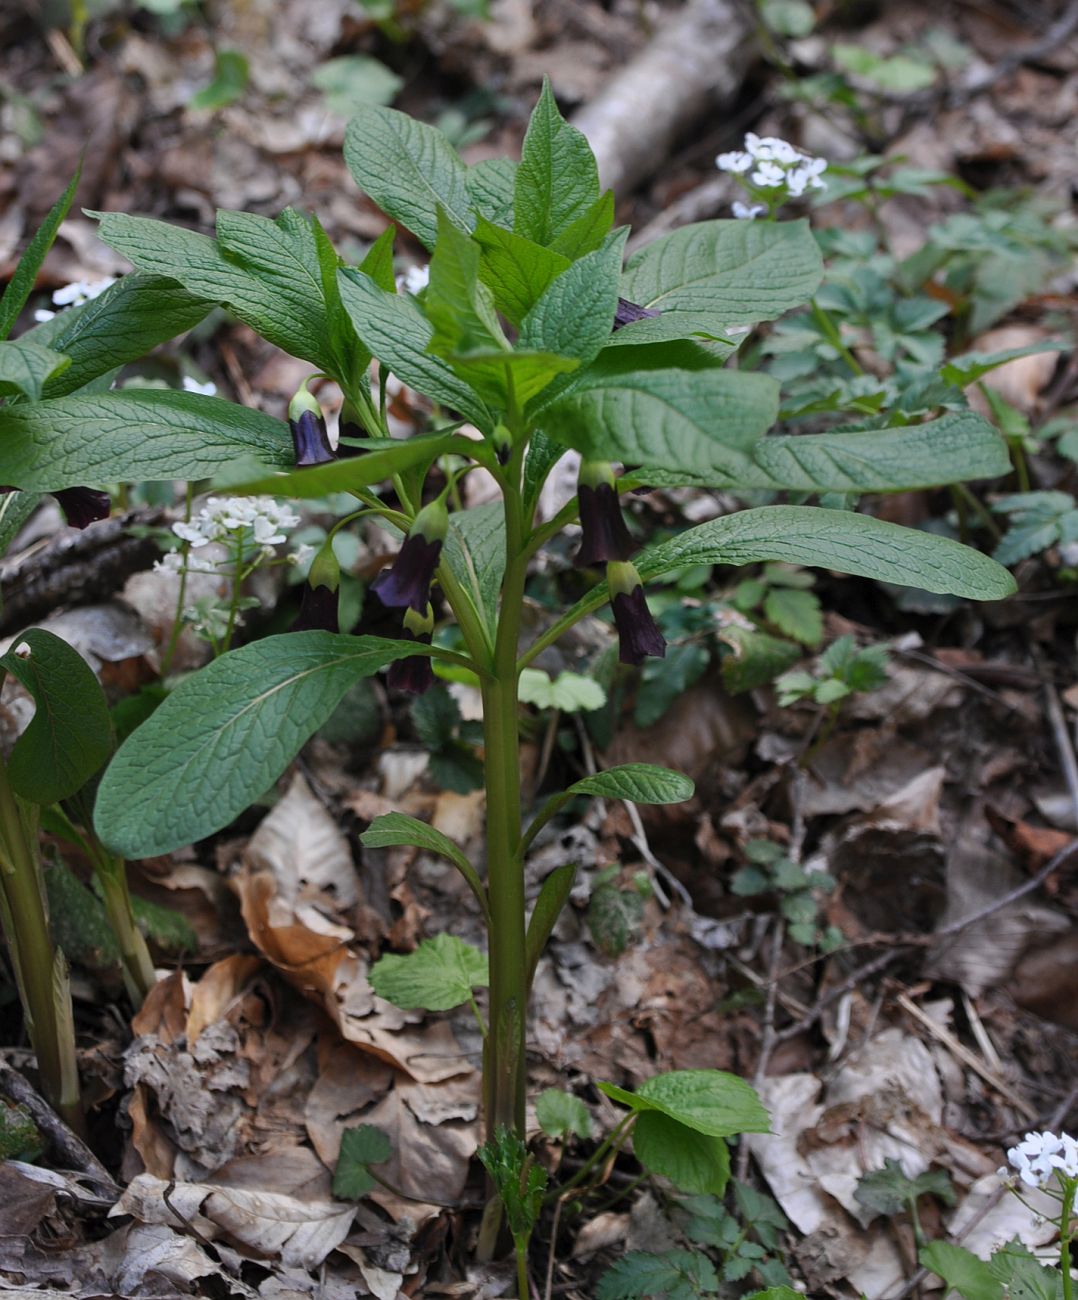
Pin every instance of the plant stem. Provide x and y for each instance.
(138, 968)
(523, 1290)
(1069, 1188)
(40, 970)
(834, 337)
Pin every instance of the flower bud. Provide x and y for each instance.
(414, 674)
(83, 506)
(309, 437)
(605, 536)
(407, 581)
(318, 605)
(638, 633)
(627, 312)
(503, 444)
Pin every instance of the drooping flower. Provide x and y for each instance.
(638, 633)
(605, 534)
(309, 437)
(746, 211)
(627, 312)
(1040, 1156)
(350, 426)
(414, 674)
(318, 609)
(83, 506)
(407, 581)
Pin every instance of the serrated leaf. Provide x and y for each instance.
(395, 331)
(693, 1161)
(69, 737)
(637, 782)
(557, 180)
(962, 1271)
(553, 896)
(714, 274)
(409, 169)
(673, 407)
(226, 734)
(131, 436)
(707, 1101)
(675, 1275)
(516, 270)
(396, 828)
(795, 613)
(21, 285)
(361, 1147)
(25, 367)
(562, 1115)
(438, 976)
(890, 1189)
(588, 231)
(575, 316)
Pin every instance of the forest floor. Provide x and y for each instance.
(917, 1002)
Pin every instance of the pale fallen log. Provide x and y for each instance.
(693, 66)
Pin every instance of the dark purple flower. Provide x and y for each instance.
(414, 674)
(407, 582)
(605, 534)
(350, 426)
(309, 437)
(317, 610)
(638, 633)
(83, 506)
(628, 312)
(377, 619)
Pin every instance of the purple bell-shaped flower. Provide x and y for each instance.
(638, 633)
(83, 506)
(605, 537)
(318, 608)
(414, 674)
(309, 437)
(407, 582)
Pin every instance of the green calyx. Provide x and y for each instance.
(325, 570)
(594, 472)
(420, 624)
(432, 522)
(622, 578)
(304, 401)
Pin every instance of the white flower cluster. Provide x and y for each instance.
(415, 279)
(1040, 1156)
(773, 170)
(74, 295)
(221, 517)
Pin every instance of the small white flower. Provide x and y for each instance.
(80, 291)
(191, 385)
(736, 161)
(170, 563)
(266, 533)
(1039, 1156)
(745, 212)
(43, 314)
(768, 175)
(301, 554)
(796, 180)
(416, 279)
(191, 533)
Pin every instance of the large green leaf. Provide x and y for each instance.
(396, 332)
(295, 323)
(707, 1101)
(962, 1271)
(490, 185)
(475, 551)
(694, 1162)
(225, 734)
(21, 285)
(680, 410)
(393, 829)
(708, 276)
(575, 316)
(132, 435)
(953, 449)
(408, 169)
(516, 270)
(557, 181)
(70, 735)
(438, 976)
(15, 509)
(120, 325)
(25, 366)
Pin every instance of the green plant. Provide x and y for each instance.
(840, 671)
(769, 869)
(622, 364)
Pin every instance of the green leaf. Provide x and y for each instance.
(15, 509)
(315, 481)
(970, 366)
(396, 828)
(562, 1115)
(395, 331)
(637, 782)
(776, 1293)
(295, 322)
(686, 411)
(1023, 1276)
(120, 325)
(409, 169)
(962, 1271)
(575, 316)
(228, 84)
(515, 270)
(490, 184)
(360, 1147)
(898, 73)
(70, 735)
(21, 285)
(543, 454)
(354, 80)
(692, 1161)
(475, 552)
(569, 692)
(456, 304)
(614, 915)
(795, 613)
(709, 276)
(675, 1275)
(552, 898)
(520, 1181)
(557, 181)
(25, 366)
(378, 262)
(588, 231)
(890, 1189)
(438, 976)
(130, 436)
(707, 1101)
(225, 734)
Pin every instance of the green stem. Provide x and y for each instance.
(138, 968)
(616, 1135)
(1070, 1185)
(504, 1072)
(834, 337)
(181, 596)
(521, 1247)
(40, 970)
